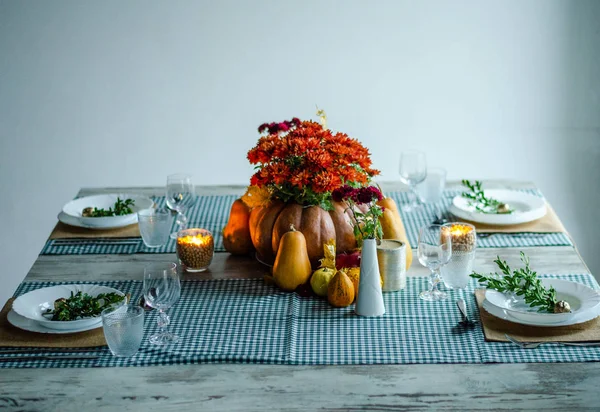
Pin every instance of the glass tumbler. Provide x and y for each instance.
(456, 273)
(123, 329)
(155, 226)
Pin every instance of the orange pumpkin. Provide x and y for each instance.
(340, 292)
(392, 226)
(236, 234)
(269, 223)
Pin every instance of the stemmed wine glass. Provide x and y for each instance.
(180, 197)
(413, 170)
(434, 251)
(162, 289)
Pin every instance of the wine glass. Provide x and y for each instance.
(434, 251)
(180, 197)
(413, 170)
(162, 289)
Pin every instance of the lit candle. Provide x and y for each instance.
(464, 237)
(195, 248)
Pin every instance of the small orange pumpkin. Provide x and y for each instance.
(236, 234)
(340, 292)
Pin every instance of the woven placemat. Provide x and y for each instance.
(494, 328)
(11, 336)
(63, 231)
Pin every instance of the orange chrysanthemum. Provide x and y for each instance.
(303, 162)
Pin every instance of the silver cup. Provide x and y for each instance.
(391, 255)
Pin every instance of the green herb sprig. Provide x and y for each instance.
(81, 305)
(122, 207)
(477, 198)
(524, 282)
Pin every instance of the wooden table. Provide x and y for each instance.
(535, 386)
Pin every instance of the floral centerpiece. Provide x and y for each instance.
(303, 162)
(298, 166)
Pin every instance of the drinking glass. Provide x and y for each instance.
(434, 251)
(123, 327)
(431, 190)
(413, 170)
(155, 225)
(180, 197)
(162, 289)
(456, 274)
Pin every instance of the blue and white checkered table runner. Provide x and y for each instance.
(212, 212)
(247, 321)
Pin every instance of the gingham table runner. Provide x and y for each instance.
(247, 321)
(212, 212)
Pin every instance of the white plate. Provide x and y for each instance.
(578, 318)
(22, 322)
(580, 297)
(527, 208)
(74, 208)
(31, 305)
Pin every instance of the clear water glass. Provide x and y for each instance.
(434, 251)
(180, 197)
(162, 289)
(123, 329)
(456, 273)
(155, 226)
(413, 170)
(431, 190)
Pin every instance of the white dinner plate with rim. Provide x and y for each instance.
(74, 208)
(29, 325)
(527, 208)
(33, 304)
(578, 318)
(581, 298)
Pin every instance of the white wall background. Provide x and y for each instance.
(112, 93)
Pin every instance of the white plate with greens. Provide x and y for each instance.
(126, 214)
(578, 318)
(35, 304)
(582, 299)
(526, 208)
(29, 325)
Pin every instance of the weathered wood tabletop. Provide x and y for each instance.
(534, 386)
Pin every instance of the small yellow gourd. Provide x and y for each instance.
(393, 227)
(340, 291)
(292, 266)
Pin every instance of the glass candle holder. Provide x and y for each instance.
(456, 273)
(195, 249)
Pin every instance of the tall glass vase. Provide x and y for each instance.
(370, 299)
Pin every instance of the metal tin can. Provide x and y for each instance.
(391, 256)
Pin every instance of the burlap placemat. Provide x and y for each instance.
(550, 223)
(63, 231)
(494, 328)
(11, 336)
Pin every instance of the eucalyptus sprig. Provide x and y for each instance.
(523, 282)
(482, 203)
